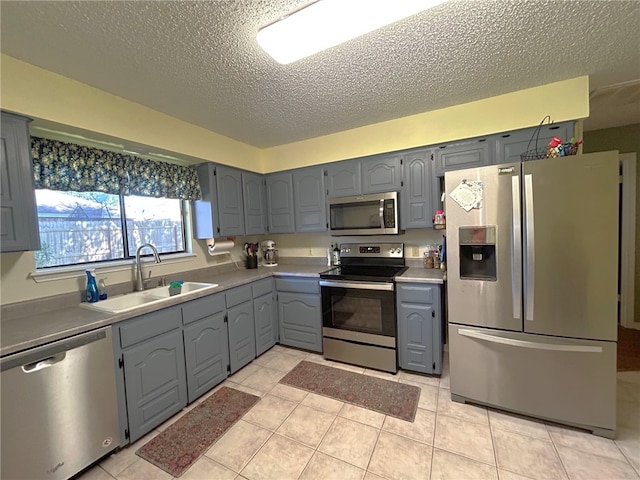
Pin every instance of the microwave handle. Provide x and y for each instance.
(382, 222)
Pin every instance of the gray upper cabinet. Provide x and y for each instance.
(382, 173)
(220, 212)
(310, 200)
(230, 203)
(344, 178)
(416, 200)
(255, 203)
(509, 146)
(18, 219)
(466, 154)
(280, 203)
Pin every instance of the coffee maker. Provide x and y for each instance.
(269, 253)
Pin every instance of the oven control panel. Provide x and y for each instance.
(372, 250)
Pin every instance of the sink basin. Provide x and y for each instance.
(187, 287)
(131, 301)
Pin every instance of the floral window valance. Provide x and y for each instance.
(70, 167)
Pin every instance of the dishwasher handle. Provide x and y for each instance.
(49, 354)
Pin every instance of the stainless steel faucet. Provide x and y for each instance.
(139, 280)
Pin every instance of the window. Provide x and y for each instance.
(88, 227)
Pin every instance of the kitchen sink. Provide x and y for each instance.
(153, 296)
(187, 287)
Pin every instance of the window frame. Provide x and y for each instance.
(51, 273)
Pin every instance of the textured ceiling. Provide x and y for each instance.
(199, 61)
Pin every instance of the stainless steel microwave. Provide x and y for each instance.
(374, 214)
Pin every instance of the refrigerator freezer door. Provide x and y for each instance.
(490, 303)
(564, 380)
(570, 246)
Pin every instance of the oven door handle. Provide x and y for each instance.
(389, 287)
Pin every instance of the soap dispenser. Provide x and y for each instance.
(92, 295)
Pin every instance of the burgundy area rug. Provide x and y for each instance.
(390, 398)
(185, 441)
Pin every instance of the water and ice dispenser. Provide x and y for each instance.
(478, 253)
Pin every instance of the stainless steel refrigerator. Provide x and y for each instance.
(532, 288)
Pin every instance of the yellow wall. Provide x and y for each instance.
(41, 94)
(567, 100)
(52, 98)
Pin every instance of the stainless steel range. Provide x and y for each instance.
(358, 305)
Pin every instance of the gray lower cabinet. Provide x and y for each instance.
(344, 178)
(300, 313)
(206, 347)
(419, 327)
(416, 204)
(280, 203)
(467, 154)
(150, 355)
(241, 327)
(382, 173)
(265, 314)
(309, 200)
(18, 217)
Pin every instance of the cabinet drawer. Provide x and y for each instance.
(147, 326)
(300, 285)
(417, 293)
(262, 287)
(202, 307)
(238, 295)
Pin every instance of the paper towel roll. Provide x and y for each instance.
(219, 247)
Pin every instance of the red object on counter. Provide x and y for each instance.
(554, 142)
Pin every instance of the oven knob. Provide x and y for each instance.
(392, 250)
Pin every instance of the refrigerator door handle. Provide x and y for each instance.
(516, 248)
(525, 344)
(530, 247)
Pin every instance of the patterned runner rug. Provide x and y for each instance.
(185, 441)
(390, 398)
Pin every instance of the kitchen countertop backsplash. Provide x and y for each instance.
(36, 322)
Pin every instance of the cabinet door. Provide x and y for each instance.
(415, 206)
(344, 178)
(264, 313)
(230, 205)
(415, 330)
(155, 382)
(255, 203)
(300, 317)
(468, 154)
(18, 217)
(206, 223)
(206, 354)
(242, 335)
(420, 327)
(510, 145)
(280, 203)
(310, 200)
(382, 173)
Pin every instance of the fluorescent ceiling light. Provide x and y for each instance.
(326, 23)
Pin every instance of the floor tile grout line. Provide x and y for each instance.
(493, 443)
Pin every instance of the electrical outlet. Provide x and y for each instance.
(415, 251)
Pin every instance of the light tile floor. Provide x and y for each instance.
(292, 434)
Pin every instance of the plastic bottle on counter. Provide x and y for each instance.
(92, 295)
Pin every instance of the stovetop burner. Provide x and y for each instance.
(364, 273)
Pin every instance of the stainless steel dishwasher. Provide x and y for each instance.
(59, 407)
